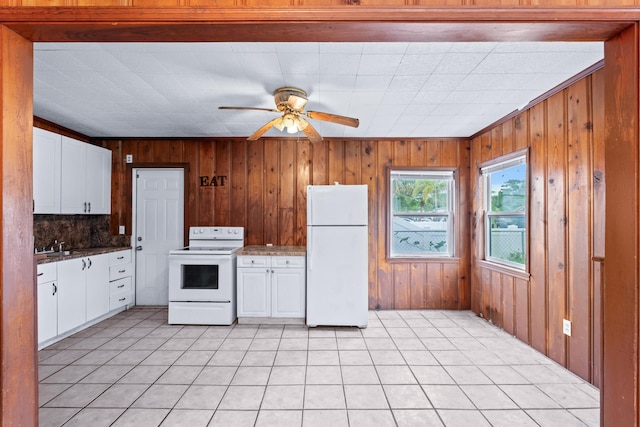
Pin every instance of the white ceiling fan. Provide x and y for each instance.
(290, 101)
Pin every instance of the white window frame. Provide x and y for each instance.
(449, 214)
(515, 159)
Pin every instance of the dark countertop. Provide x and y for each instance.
(273, 250)
(75, 253)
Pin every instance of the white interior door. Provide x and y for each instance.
(159, 228)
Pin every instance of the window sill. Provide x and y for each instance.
(444, 260)
(519, 274)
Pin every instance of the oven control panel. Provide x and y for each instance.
(213, 233)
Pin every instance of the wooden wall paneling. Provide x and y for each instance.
(320, 163)
(450, 286)
(238, 189)
(522, 309)
(450, 150)
(418, 285)
(476, 226)
(485, 147)
(418, 153)
(508, 304)
(485, 277)
(401, 286)
(463, 244)
(352, 162)
(191, 156)
(370, 173)
(270, 199)
(401, 152)
(620, 304)
(254, 234)
(537, 227)
(434, 153)
(18, 327)
(206, 195)
(287, 192)
(597, 218)
(117, 185)
(161, 151)
(579, 226)
(521, 131)
(222, 193)
(176, 151)
(434, 285)
(385, 273)
(556, 227)
(496, 141)
(507, 130)
(336, 161)
(302, 176)
(496, 312)
(145, 151)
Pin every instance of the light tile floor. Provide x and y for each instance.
(408, 368)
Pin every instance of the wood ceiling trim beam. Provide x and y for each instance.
(344, 24)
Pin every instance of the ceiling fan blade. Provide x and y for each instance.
(334, 118)
(249, 108)
(257, 134)
(309, 130)
(296, 103)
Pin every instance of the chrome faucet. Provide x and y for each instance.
(60, 246)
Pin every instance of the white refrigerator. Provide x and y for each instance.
(337, 255)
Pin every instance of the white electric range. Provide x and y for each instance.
(202, 277)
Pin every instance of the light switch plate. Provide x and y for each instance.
(122, 229)
(566, 327)
(129, 158)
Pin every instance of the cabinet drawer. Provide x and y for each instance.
(120, 285)
(119, 271)
(119, 300)
(253, 261)
(47, 272)
(120, 257)
(288, 261)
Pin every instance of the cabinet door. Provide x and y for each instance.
(73, 183)
(47, 311)
(254, 293)
(98, 194)
(46, 172)
(288, 293)
(97, 279)
(72, 294)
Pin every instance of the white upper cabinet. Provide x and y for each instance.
(46, 171)
(86, 178)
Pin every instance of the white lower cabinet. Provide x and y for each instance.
(271, 286)
(74, 292)
(47, 278)
(97, 280)
(120, 274)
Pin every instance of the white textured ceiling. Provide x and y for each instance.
(395, 89)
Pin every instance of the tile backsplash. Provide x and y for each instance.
(77, 231)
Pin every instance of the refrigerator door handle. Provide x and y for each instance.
(309, 249)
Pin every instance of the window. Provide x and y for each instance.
(505, 189)
(421, 213)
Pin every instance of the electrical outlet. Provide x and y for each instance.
(566, 327)
(129, 158)
(122, 229)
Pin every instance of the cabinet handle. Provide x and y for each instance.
(89, 207)
(120, 257)
(89, 259)
(84, 265)
(55, 289)
(121, 299)
(40, 274)
(85, 207)
(253, 261)
(287, 262)
(121, 271)
(121, 286)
